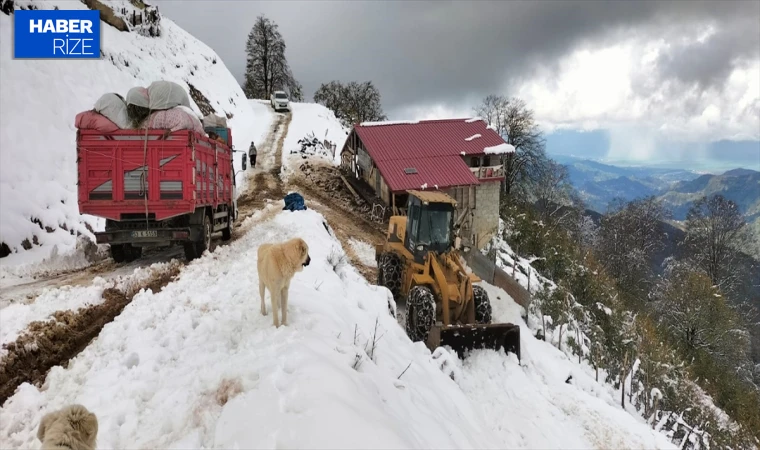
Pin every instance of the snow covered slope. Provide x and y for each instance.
(40, 99)
(197, 365)
(311, 120)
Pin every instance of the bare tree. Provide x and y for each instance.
(716, 233)
(267, 69)
(552, 189)
(514, 121)
(352, 102)
(629, 236)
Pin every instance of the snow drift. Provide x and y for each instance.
(40, 99)
(314, 123)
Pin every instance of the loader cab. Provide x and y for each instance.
(429, 227)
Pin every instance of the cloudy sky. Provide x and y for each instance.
(659, 80)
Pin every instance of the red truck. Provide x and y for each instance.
(156, 188)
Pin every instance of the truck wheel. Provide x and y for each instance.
(482, 305)
(117, 253)
(389, 273)
(189, 248)
(420, 313)
(206, 243)
(131, 252)
(227, 232)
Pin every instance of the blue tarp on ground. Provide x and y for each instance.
(294, 202)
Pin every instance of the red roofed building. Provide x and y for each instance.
(461, 157)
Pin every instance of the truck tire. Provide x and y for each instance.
(483, 308)
(195, 249)
(132, 252)
(227, 232)
(420, 313)
(117, 253)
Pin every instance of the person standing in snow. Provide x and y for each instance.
(252, 155)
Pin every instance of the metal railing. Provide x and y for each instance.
(488, 171)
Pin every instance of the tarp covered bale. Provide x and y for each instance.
(178, 118)
(166, 95)
(91, 120)
(138, 105)
(113, 107)
(138, 96)
(214, 121)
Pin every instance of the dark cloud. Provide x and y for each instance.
(444, 51)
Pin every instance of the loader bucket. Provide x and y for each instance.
(462, 338)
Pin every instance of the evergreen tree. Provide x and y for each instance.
(267, 68)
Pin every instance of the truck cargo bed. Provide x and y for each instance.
(127, 174)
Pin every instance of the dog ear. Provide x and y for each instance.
(47, 419)
(304, 248)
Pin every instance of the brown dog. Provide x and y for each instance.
(277, 263)
(70, 428)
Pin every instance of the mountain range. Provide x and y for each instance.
(599, 184)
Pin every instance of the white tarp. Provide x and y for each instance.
(138, 96)
(212, 120)
(167, 94)
(113, 107)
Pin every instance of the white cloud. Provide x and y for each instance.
(619, 88)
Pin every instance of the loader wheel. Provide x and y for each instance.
(117, 253)
(389, 273)
(482, 305)
(420, 313)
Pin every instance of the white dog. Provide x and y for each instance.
(277, 264)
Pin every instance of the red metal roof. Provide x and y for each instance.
(443, 171)
(433, 147)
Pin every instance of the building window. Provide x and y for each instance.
(487, 160)
(475, 161)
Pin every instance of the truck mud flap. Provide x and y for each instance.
(464, 338)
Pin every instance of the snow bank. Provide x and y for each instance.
(198, 366)
(40, 99)
(311, 120)
(364, 251)
(499, 149)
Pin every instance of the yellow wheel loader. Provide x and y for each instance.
(419, 263)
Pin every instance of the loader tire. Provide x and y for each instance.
(389, 271)
(483, 308)
(420, 313)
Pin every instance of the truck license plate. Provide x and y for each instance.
(144, 234)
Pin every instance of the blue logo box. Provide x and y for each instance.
(56, 34)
